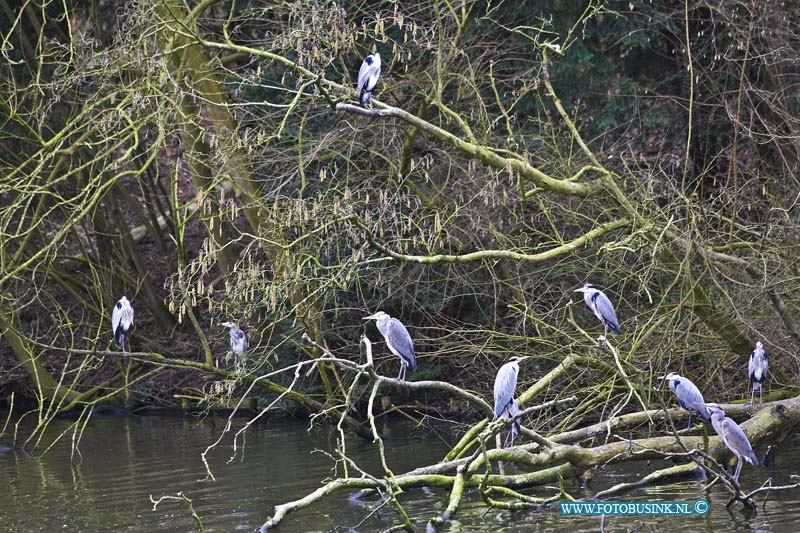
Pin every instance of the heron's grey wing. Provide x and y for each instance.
(374, 75)
(505, 385)
(757, 367)
(399, 338)
(116, 316)
(237, 336)
(751, 366)
(241, 340)
(606, 310)
(737, 440)
(364, 73)
(689, 396)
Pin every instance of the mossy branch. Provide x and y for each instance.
(550, 254)
(482, 153)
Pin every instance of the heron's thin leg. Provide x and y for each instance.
(752, 395)
(760, 394)
(690, 420)
(738, 469)
(400, 374)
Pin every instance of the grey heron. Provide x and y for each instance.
(505, 386)
(368, 76)
(397, 339)
(732, 435)
(239, 342)
(122, 321)
(689, 396)
(599, 303)
(757, 371)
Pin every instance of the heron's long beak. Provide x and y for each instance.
(523, 358)
(580, 290)
(370, 317)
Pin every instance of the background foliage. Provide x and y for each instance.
(189, 155)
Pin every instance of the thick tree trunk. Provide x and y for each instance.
(42, 381)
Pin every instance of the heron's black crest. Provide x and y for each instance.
(594, 296)
(368, 60)
(119, 305)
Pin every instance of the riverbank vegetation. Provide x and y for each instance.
(207, 159)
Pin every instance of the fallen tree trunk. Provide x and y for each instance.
(771, 424)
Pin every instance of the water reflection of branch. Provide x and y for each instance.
(180, 497)
(229, 423)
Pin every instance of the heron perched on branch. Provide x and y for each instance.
(397, 339)
(239, 342)
(368, 76)
(732, 435)
(122, 321)
(599, 303)
(757, 371)
(689, 396)
(505, 386)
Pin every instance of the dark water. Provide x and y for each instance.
(125, 461)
